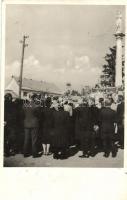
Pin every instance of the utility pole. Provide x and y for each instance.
(22, 60)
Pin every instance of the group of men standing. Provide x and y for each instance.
(53, 127)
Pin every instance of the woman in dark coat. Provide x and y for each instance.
(10, 119)
(19, 124)
(60, 139)
(83, 128)
(47, 126)
(69, 108)
(95, 124)
(107, 128)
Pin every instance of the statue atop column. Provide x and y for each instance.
(119, 23)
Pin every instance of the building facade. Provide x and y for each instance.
(30, 87)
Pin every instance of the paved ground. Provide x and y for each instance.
(73, 161)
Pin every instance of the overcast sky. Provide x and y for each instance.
(67, 43)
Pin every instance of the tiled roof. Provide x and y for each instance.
(38, 85)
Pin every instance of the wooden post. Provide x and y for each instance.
(22, 60)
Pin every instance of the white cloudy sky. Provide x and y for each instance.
(67, 43)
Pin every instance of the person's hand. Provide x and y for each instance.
(116, 128)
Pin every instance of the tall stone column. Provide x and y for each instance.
(118, 68)
(119, 36)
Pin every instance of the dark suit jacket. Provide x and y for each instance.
(120, 113)
(46, 120)
(107, 120)
(31, 119)
(61, 123)
(83, 122)
(10, 114)
(94, 115)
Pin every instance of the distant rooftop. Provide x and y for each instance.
(38, 85)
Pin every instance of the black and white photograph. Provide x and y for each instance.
(64, 85)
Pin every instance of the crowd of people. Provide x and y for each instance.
(58, 125)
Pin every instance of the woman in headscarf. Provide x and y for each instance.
(60, 139)
(47, 126)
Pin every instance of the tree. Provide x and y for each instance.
(109, 68)
(108, 72)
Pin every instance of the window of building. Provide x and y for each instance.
(24, 94)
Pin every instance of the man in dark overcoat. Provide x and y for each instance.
(120, 120)
(10, 126)
(31, 127)
(95, 124)
(107, 128)
(19, 125)
(83, 128)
